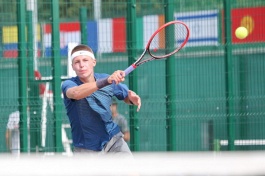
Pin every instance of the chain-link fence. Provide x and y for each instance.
(219, 89)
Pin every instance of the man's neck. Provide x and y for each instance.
(90, 78)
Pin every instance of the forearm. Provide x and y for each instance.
(7, 139)
(126, 136)
(82, 91)
(86, 89)
(128, 101)
(134, 99)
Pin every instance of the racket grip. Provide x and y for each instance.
(129, 69)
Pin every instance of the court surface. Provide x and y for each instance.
(144, 164)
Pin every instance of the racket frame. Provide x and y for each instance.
(138, 62)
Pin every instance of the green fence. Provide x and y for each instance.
(217, 81)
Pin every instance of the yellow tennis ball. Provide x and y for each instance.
(241, 32)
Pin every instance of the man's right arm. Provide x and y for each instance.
(126, 136)
(77, 92)
(8, 139)
(82, 91)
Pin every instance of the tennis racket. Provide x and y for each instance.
(158, 49)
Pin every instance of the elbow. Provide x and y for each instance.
(75, 95)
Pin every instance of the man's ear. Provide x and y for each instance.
(94, 62)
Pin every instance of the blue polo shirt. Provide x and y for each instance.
(90, 118)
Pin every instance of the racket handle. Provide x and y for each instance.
(129, 69)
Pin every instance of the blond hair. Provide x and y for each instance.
(82, 47)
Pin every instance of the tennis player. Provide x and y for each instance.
(87, 99)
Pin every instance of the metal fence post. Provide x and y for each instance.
(170, 80)
(131, 47)
(229, 68)
(83, 23)
(22, 74)
(56, 72)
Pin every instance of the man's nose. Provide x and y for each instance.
(81, 64)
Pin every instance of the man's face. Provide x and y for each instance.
(83, 66)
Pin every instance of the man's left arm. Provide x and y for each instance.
(133, 99)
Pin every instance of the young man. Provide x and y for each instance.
(87, 99)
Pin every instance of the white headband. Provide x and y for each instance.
(82, 53)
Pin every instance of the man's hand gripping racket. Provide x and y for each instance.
(160, 50)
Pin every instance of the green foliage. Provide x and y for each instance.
(69, 9)
(7, 11)
(112, 8)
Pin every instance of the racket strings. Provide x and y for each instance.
(181, 34)
(168, 40)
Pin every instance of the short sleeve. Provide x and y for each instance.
(121, 91)
(66, 85)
